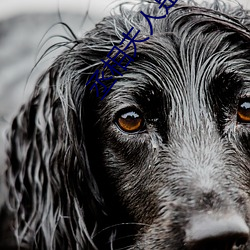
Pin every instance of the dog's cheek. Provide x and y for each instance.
(131, 172)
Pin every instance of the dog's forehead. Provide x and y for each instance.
(186, 56)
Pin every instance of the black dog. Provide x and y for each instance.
(162, 162)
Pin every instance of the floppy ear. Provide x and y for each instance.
(54, 199)
(51, 186)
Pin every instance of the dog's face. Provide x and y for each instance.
(162, 162)
(174, 136)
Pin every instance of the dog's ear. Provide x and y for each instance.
(53, 198)
(52, 191)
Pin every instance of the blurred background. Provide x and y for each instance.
(25, 26)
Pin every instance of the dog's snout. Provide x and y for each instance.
(217, 232)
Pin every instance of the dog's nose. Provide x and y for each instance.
(217, 232)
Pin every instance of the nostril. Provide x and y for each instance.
(223, 242)
(217, 232)
(241, 241)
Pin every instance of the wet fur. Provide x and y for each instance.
(76, 181)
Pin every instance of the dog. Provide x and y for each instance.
(162, 162)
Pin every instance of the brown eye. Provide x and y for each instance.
(130, 121)
(243, 113)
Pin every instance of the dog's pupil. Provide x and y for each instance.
(130, 115)
(244, 111)
(245, 105)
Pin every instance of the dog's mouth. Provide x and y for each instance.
(222, 232)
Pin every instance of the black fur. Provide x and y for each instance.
(77, 181)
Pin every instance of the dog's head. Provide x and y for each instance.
(162, 162)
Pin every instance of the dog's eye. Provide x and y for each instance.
(243, 113)
(130, 121)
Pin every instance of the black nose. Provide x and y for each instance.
(217, 232)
